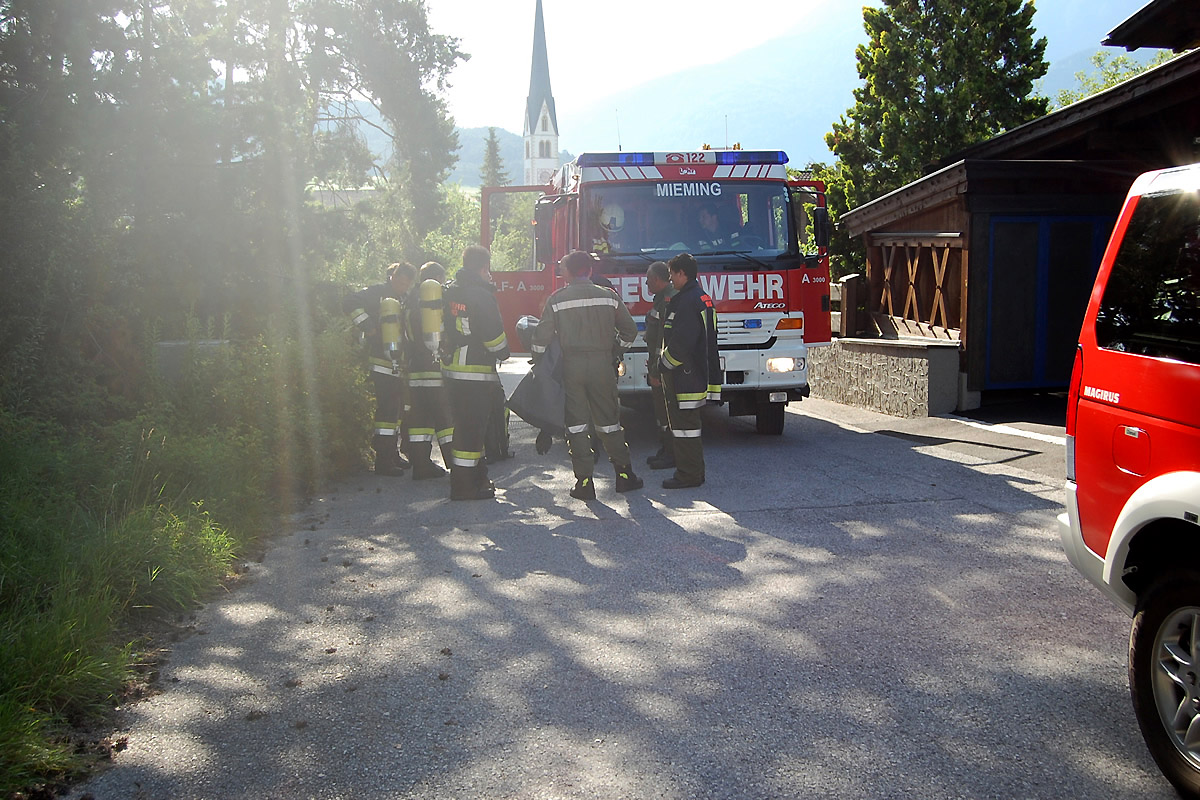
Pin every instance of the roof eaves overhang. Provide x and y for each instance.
(1168, 24)
(1180, 70)
(927, 192)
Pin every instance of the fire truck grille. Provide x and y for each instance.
(733, 332)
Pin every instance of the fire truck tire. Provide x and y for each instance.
(769, 419)
(1164, 676)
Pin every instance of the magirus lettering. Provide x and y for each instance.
(1102, 394)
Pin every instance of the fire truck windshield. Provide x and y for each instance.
(701, 217)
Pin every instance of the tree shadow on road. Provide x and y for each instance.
(833, 614)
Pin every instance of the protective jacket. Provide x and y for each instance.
(690, 347)
(654, 329)
(475, 338)
(363, 307)
(584, 316)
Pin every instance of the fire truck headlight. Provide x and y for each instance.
(783, 364)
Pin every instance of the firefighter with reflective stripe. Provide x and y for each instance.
(594, 329)
(376, 311)
(429, 418)
(658, 281)
(691, 368)
(474, 342)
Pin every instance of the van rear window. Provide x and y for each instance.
(1151, 303)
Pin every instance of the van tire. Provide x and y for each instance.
(768, 420)
(1164, 642)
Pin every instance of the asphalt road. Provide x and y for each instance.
(864, 607)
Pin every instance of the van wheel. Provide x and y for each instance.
(769, 419)
(1164, 677)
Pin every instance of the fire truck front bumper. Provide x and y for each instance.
(777, 371)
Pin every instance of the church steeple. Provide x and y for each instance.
(541, 121)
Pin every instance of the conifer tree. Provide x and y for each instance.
(492, 173)
(938, 75)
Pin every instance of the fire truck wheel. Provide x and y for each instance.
(1164, 676)
(769, 419)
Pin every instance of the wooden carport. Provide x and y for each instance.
(997, 249)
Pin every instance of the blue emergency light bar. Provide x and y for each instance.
(723, 157)
(750, 156)
(616, 160)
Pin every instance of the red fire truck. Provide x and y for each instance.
(760, 239)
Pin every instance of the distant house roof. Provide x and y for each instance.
(1172, 24)
(539, 78)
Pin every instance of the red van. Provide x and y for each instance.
(1132, 520)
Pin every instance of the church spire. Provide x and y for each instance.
(541, 120)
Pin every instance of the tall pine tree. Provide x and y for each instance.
(938, 75)
(492, 173)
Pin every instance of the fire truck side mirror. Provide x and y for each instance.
(822, 230)
(543, 247)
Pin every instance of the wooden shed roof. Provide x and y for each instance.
(1148, 122)
(1173, 24)
(1031, 181)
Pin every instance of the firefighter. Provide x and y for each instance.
(376, 311)
(691, 369)
(475, 341)
(658, 281)
(593, 328)
(428, 419)
(714, 235)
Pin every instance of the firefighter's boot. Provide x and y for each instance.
(465, 484)
(666, 461)
(585, 489)
(423, 467)
(387, 457)
(626, 480)
(665, 457)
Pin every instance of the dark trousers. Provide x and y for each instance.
(658, 396)
(685, 435)
(470, 402)
(591, 388)
(428, 422)
(389, 401)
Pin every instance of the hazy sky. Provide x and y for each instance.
(621, 43)
(594, 44)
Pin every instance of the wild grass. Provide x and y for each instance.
(102, 520)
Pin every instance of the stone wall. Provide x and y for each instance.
(901, 377)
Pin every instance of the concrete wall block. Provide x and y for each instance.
(905, 378)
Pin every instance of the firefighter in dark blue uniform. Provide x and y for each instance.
(376, 311)
(475, 342)
(691, 368)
